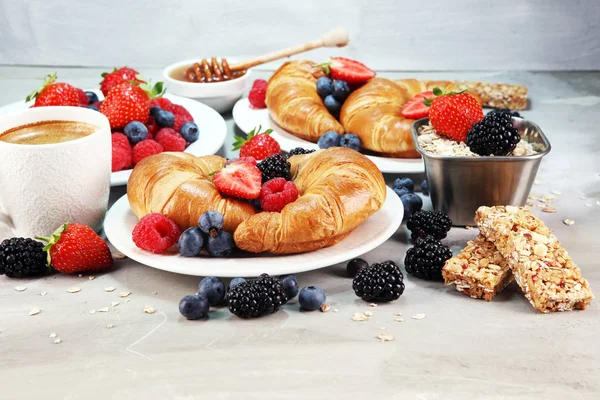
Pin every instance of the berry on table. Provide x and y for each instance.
(194, 306)
(135, 132)
(406, 182)
(401, 190)
(311, 298)
(329, 139)
(257, 144)
(425, 188)
(190, 242)
(297, 151)
(453, 114)
(275, 166)
(332, 105)
(379, 282)
(494, 135)
(92, 97)
(341, 90)
(234, 282)
(355, 265)
(351, 141)
(22, 257)
(146, 148)
(155, 233)
(189, 131)
(427, 258)
(324, 86)
(220, 245)
(412, 203)
(212, 289)
(290, 286)
(256, 297)
(432, 223)
(258, 94)
(241, 180)
(349, 70)
(276, 194)
(211, 222)
(54, 93)
(164, 118)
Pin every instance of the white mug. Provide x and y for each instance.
(45, 185)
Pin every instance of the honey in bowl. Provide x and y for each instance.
(205, 71)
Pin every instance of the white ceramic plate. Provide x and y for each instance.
(120, 221)
(247, 118)
(210, 123)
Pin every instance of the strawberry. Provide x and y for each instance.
(129, 102)
(76, 248)
(257, 144)
(118, 76)
(415, 108)
(162, 103)
(347, 70)
(453, 113)
(54, 93)
(241, 180)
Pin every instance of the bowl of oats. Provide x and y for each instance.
(465, 175)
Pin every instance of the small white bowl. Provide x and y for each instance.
(221, 96)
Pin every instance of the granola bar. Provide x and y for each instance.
(479, 270)
(498, 95)
(543, 269)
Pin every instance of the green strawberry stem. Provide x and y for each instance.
(52, 240)
(104, 74)
(240, 140)
(441, 92)
(153, 92)
(48, 80)
(325, 66)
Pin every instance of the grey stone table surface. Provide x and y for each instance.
(463, 349)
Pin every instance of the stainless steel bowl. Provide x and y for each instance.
(460, 185)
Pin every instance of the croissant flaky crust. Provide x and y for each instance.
(294, 103)
(179, 186)
(338, 189)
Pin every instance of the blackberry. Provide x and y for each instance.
(427, 258)
(256, 297)
(379, 282)
(297, 151)
(275, 166)
(506, 111)
(20, 257)
(494, 135)
(434, 223)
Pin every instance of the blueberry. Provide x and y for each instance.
(290, 286)
(351, 141)
(92, 97)
(93, 108)
(164, 118)
(135, 132)
(234, 282)
(194, 306)
(406, 182)
(220, 245)
(324, 86)
(341, 90)
(401, 191)
(154, 110)
(425, 187)
(212, 289)
(311, 298)
(332, 105)
(210, 221)
(189, 131)
(329, 139)
(356, 265)
(191, 242)
(412, 203)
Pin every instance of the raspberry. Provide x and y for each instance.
(161, 102)
(120, 140)
(146, 148)
(258, 94)
(155, 233)
(276, 193)
(121, 157)
(176, 109)
(171, 141)
(181, 119)
(164, 132)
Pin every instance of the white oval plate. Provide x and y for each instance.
(210, 123)
(247, 118)
(120, 221)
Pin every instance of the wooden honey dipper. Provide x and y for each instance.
(213, 71)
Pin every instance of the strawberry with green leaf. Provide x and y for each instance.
(453, 113)
(116, 77)
(258, 145)
(345, 69)
(54, 93)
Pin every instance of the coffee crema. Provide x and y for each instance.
(48, 132)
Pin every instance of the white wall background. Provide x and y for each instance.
(385, 34)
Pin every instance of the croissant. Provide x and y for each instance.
(294, 103)
(338, 189)
(179, 186)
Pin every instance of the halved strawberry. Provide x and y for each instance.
(415, 108)
(242, 180)
(348, 70)
(248, 160)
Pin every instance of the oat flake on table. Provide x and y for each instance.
(124, 294)
(109, 289)
(359, 317)
(43, 293)
(34, 311)
(149, 310)
(20, 288)
(57, 341)
(385, 337)
(103, 309)
(53, 335)
(73, 290)
(368, 313)
(419, 316)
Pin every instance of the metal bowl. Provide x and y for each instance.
(459, 185)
